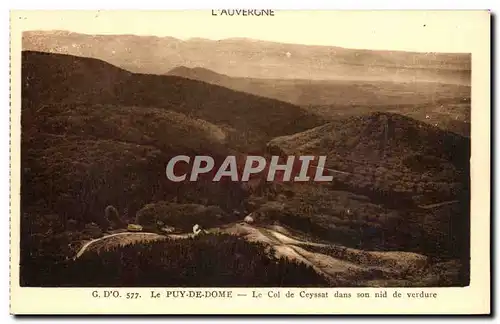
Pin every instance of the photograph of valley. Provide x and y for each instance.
(102, 114)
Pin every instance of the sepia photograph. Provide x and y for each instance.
(153, 155)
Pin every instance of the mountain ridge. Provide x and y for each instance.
(258, 59)
(229, 39)
(92, 81)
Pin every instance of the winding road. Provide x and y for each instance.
(331, 170)
(86, 246)
(436, 205)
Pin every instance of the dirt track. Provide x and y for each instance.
(346, 265)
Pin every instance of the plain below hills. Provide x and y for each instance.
(343, 93)
(248, 58)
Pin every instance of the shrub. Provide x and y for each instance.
(113, 217)
(205, 261)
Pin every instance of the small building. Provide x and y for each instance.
(134, 228)
(196, 229)
(248, 219)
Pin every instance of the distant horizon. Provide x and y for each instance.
(250, 39)
(447, 32)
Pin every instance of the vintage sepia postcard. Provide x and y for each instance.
(250, 161)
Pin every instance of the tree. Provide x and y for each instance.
(113, 217)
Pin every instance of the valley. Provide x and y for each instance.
(99, 132)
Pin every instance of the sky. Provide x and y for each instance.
(420, 31)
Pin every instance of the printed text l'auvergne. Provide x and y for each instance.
(244, 12)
